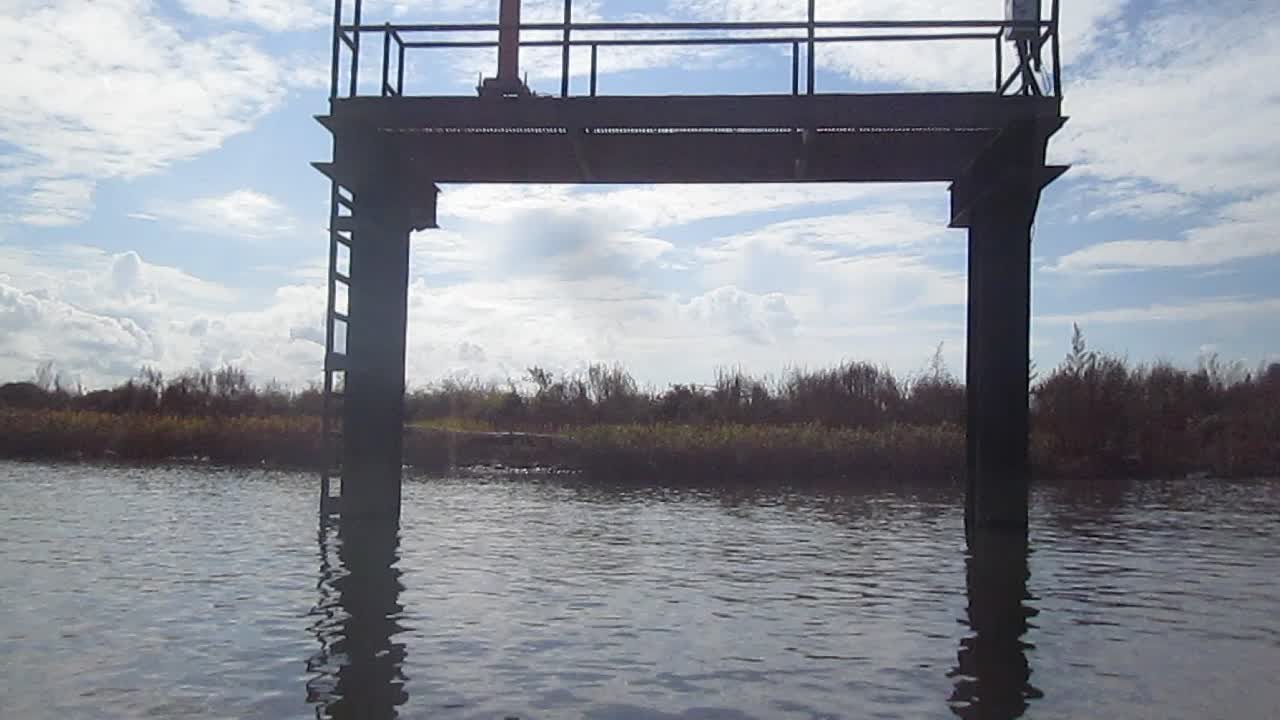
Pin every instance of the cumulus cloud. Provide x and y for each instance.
(38, 327)
(126, 272)
(760, 319)
(854, 265)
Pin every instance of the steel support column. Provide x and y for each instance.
(997, 200)
(996, 378)
(383, 217)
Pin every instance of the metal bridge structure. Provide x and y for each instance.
(392, 147)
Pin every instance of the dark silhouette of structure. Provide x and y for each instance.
(359, 670)
(992, 675)
(391, 148)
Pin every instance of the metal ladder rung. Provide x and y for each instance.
(341, 232)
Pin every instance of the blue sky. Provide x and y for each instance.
(159, 208)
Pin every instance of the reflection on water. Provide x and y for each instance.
(178, 592)
(359, 670)
(993, 676)
(360, 666)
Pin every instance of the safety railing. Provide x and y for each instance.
(1027, 76)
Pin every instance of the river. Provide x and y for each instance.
(207, 593)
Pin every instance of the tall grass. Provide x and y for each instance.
(276, 441)
(771, 453)
(1093, 414)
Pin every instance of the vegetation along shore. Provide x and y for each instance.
(1092, 415)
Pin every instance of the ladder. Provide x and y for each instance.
(337, 320)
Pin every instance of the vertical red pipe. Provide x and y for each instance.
(509, 41)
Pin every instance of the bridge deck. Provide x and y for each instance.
(898, 137)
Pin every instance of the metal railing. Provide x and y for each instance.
(1025, 78)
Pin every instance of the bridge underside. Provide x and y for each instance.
(390, 152)
(700, 139)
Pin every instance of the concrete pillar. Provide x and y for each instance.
(999, 324)
(373, 422)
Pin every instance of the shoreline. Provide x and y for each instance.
(655, 453)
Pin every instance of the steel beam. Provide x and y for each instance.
(576, 156)
(887, 111)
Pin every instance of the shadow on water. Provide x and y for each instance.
(992, 676)
(358, 671)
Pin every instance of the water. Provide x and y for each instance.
(156, 593)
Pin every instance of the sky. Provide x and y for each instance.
(159, 207)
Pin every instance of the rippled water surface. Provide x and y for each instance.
(213, 593)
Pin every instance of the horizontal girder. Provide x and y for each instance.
(701, 139)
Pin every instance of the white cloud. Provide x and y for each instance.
(109, 89)
(542, 66)
(760, 319)
(854, 265)
(1179, 103)
(1201, 310)
(37, 327)
(1131, 198)
(275, 15)
(474, 10)
(835, 236)
(102, 316)
(243, 213)
(646, 207)
(1242, 230)
(551, 243)
(55, 202)
(95, 279)
(937, 65)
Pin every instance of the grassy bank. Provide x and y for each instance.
(654, 452)
(769, 453)
(285, 442)
(90, 435)
(1093, 415)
